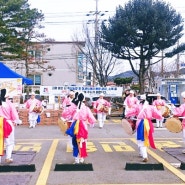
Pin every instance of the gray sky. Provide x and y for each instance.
(63, 18)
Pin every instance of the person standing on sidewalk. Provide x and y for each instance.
(34, 107)
(144, 126)
(101, 106)
(9, 112)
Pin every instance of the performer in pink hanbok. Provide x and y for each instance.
(80, 114)
(34, 107)
(159, 103)
(68, 113)
(67, 100)
(101, 106)
(126, 93)
(130, 101)
(9, 112)
(144, 126)
(180, 112)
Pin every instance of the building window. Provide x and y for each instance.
(80, 66)
(36, 79)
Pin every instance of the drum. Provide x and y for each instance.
(129, 126)
(64, 125)
(105, 109)
(100, 108)
(37, 109)
(173, 125)
(165, 111)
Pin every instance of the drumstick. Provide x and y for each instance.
(181, 117)
(134, 118)
(176, 116)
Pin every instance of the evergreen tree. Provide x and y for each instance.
(139, 31)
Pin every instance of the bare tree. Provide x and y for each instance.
(99, 60)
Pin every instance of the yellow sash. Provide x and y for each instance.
(146, 132)
(1, 137)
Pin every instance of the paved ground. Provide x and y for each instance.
(110, 150)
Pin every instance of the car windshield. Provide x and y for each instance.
(108, 98)
(151, 98)
(95, 98)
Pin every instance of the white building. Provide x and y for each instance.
(63, 56)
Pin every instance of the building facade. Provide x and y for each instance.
(66, 61)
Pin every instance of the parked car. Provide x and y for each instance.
(151, 97)
(89, 102)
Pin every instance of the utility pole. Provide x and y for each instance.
(95, 43)
(177, 60)
(96, 19)
(162, 64)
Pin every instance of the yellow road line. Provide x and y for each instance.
(47, 164)
(166, 164)
(94, 139)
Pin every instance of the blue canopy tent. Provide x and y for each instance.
(6, 72)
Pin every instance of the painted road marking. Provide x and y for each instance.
(108, 146)
(165, 163)
(116, 146)
(22, 146)
(117, 121)
(167, 144)
(42, 179)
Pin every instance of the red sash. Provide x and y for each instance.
(5, 130)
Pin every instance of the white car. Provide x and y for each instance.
(151, 97)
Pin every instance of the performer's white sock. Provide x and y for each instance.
(9, 150)
(161, 123)
(144, 152)
(157, 122)
(100, 124)
(76, 160)
(81, 160)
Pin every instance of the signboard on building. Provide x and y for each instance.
(12, 85)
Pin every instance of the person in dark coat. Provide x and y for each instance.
(126, 93)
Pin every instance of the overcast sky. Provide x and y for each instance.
(63, 18)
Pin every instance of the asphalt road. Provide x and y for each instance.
(110, 152)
